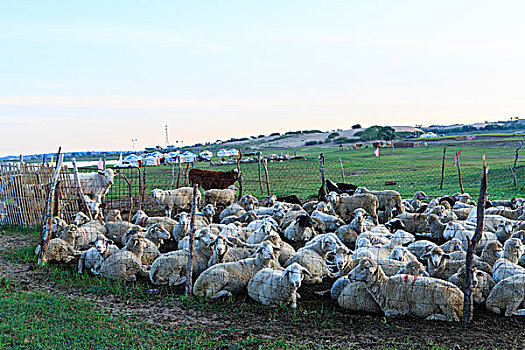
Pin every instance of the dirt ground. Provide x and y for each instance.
(329, 325)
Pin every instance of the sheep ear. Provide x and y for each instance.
(228, 243)
(91, 244)
(425, 256)
(306, 272)
(446, 256)
(276, 248)
(110, 241)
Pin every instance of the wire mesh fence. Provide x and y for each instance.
(124, 251)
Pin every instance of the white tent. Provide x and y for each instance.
(206, 155)
(188, 157)
(234, 152)
(223, 153)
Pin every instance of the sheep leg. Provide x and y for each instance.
(81, 262)
(514, 304)
(392, 312)
(438, 317)
(222, 293)
(519, 312)
(176, 282)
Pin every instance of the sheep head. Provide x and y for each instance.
(295, 273)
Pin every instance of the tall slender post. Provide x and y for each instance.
(189, 282)
(46, 236)
(459, 176)
(322, 191)
(265, 166)
(179, 172)
(468, 301)
(342, 170)
(172, 174)
(259, 169)
(515, 161)
(443, 168)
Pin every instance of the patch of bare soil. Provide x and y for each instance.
(317, 321)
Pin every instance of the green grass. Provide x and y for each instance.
(413, 169)
(35, 320)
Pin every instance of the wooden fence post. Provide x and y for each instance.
(342, 170)
(172, 174)
(468, 301)
(240, 176)
(79, 189)
(322, 194)
(513, 169)
(459, 175)
(179, 171)
(443, 168)
(185, 175)
(46, 236)
(259, 169)
(189, 281)
(265, 166)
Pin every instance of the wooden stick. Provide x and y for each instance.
(240, 176)
(46, 236)
(185, 175)
(259, 169)
(342, 170)
(322, 196)
(459, 176)
(515, 161)
(443, 168)
(189, 282)
(179, 172)
(468, 301)
(265, 166)
(79, 189)
(172, 175)
(4, 180)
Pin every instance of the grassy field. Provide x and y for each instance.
(412, 169)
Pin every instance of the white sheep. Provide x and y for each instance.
(227, 278)
(482, 283)
(383, 251)
(508, 295)
(389, 200)
(126, 263)
(58, 250)
(220, 198)
(301, 229)
(234, 209)
(344, 206)
(398, 295)
(96, 185)
(226, 251)
(179, 199)
(80, 219)
(93, 258)
(401, 253)
(440, 264)
(312, 256)
(508, 265)
(277, 286)
(140, 218)
(331, 222)
(248, 202)
(171, 268)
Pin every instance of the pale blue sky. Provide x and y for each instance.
(92, 75)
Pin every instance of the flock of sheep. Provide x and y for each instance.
(383, 251)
